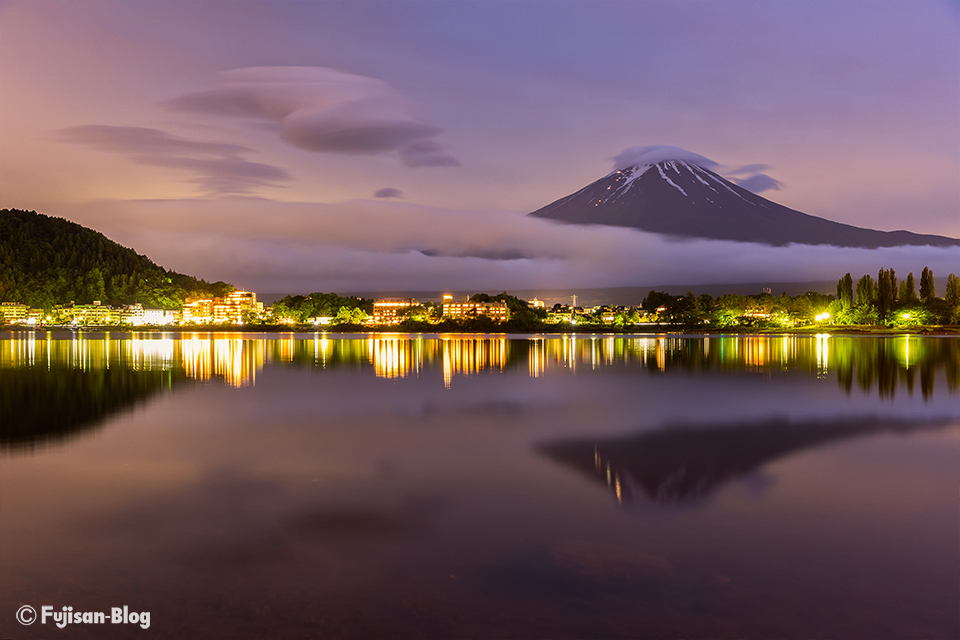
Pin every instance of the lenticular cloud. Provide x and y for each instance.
(653, 154)
(747, 176)
(325, 110)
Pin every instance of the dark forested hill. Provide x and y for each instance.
(46, 261)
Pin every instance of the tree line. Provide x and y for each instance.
(345, 310)
(885, 300)
(888, 300)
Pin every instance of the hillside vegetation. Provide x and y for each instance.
(46, 261)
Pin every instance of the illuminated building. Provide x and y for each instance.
(494, 310)
(159, 317)
(13, 313)
(387, 310)
(537, 304)
(231, 309)
(96, 313)
(16, 313)
(198, 311)
(235, 306)
(135, 315)
(132, 314)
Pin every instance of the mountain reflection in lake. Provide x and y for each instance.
(685, 464)
(242, 485)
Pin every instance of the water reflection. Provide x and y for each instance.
(872, 363)
(57, 384)
(683, 464)
(331, 486)
(236, 360)
(53, 389)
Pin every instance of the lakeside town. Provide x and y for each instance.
(240, 308)
(884, 302)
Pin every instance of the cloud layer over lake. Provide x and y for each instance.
(393, 245)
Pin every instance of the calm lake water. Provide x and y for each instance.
(301, 486)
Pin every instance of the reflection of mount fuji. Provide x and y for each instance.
(682, 464)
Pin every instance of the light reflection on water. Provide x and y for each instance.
(483, 486)
(872, 362)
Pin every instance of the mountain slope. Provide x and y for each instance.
(678, 197)
(46, 261)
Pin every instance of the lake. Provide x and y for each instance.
(480, 486)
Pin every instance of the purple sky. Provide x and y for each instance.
(322, 145)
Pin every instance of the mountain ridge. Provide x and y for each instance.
(681, 198)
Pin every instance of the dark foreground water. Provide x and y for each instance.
(481, 487)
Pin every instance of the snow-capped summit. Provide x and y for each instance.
(681, 196)
(652, 154)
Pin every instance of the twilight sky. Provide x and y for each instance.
(320, 146)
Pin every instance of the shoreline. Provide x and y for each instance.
(671, 330)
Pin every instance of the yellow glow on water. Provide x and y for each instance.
(537, 363)
(196, 358)
(755, 351)
(823, 354)
(395, 357)
(323, 344)
(149, 355)
(236, 360)
(447, 365)
(903, 351)
(287, 348)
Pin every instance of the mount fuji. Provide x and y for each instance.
(679, 196)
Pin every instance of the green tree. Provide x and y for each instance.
(863, 314)
(93, 286)
(886, 293)
(346, 315)
(953, 289)
(417, 313)
(705, 304)
(866, 291)
(845, 293)
(908, 292)
(928, 288)
(952, 296)
(656, 299)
